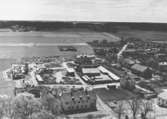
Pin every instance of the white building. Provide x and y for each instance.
(162, 99)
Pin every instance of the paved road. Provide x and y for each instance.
(106, 108)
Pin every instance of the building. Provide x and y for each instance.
(91, 72)
(162, 99)
(162, 66)
(69, 101)
(84, 60)
(97, 75)
(127, 83)
(141, 70)
(127, 62)
(78, 101)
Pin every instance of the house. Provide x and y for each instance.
(78, 101)
(141, 70)
(162, 66)
(127, 62)
(162, 99)
(70, 101)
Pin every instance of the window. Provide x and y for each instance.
(73, 99)
(80, 97)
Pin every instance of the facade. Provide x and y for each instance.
(78, 101)
(162, 99)
(69, 102)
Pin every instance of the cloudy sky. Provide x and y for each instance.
(85, 10)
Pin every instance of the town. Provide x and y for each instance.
(123, 79)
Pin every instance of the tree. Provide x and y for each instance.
(147, 106)
(134, 105)
(24, 105)
(42, 115)
(90, 116)
(120, 109)
(50, 102)
(5, 108)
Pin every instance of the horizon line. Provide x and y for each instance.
(83, 21)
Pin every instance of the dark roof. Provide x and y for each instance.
(76, 94)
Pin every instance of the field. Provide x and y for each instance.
(54, 37)
(21, 44)
(113, 94)
(155, 36)
(14, 45)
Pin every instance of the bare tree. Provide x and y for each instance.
(6, 108)
(43, 114)
(147, 106)
(25, 105)
(120, 109)
(134, 105)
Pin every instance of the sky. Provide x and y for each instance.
(85, 10)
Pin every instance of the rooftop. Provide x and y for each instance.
(90, 70)
(139, 67)
(129, 61)
(76, 94)
(163, 95)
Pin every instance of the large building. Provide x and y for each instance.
(78, 101)
(93, 74)
(69, 102)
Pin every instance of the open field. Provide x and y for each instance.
(145, 35)
(21, 44)
(6, 88)
(14, 45)
(54, 37)
(113, 94)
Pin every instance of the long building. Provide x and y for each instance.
(97, 75)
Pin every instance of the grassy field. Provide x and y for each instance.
(114, 94)
(14, 45)
(54, 37)
(156, 36)
(27, 43)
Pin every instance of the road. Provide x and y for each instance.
(106, 108)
